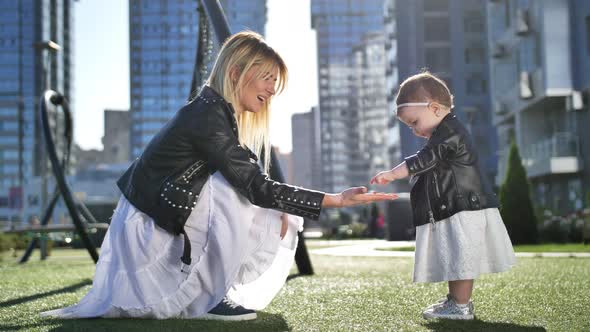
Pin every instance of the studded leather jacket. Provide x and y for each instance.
(202, 138)
(446, 175)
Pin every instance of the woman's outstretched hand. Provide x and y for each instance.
(355, 196)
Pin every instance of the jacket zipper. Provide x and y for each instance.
(436, 185)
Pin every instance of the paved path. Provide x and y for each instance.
(371, 248)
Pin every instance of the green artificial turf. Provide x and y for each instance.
(345, 294)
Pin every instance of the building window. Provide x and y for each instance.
(474, 22)
(438, 59)
(436, 29)
(476, 85)
(475, 55)
(436, 5)
(507, 13)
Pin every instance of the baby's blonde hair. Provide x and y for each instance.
(239, 53)
(424, 87)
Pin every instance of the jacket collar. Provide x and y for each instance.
(444, 125)
(445, 121)
(208, 93)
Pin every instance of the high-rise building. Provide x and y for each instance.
(448, 37)
(341, 26)
(245, 15)
(286, 164)
(162, 37)
(540, 81)
(306, 149)
(370, 101)
(163, 44)
(36, 49)
(394, 153)
(116, 136)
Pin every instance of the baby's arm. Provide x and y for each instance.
(398, 172)
(428, 157)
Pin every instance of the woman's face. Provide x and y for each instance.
(258, 90)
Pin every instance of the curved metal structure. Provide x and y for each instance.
(49, 98)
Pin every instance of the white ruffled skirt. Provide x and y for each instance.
(462, 247)
(236, 251)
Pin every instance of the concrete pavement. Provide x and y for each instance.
(371, 248)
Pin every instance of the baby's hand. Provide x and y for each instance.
(398, 172)
(383, 177)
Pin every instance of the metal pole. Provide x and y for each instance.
(44, 47)
(217, 18)
(301, 256)
(57, 99)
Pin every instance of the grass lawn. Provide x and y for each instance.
(553, 247)
(547, 247)
(321, 243)
(345, 294)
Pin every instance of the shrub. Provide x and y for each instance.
(14, 241)
(515, 201)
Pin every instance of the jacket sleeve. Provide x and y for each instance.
(436, 150)
(226, 155)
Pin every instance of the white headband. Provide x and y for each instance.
(413, 104)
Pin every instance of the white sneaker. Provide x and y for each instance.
(449, 310)
(439, 302)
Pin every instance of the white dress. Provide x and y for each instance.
(236, 250)
(463, 246)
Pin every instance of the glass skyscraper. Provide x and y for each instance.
(163, 44)
(370, 103)
(341, 26)
(448, 37)
(245, 15)
(28, 65)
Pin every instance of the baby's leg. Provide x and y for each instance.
(461, 290)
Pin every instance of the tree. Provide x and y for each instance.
(516, 206)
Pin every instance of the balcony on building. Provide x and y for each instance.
(557, 154)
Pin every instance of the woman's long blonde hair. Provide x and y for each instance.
(240, 53)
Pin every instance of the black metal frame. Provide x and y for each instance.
(48, 98)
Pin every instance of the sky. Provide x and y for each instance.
(101, 58)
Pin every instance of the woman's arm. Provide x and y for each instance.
(225, 154)
(354, 196)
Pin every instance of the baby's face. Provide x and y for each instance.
(422, 120)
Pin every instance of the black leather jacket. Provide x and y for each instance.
(202, 138)
(447, 175)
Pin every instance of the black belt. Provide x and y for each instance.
(186, 253)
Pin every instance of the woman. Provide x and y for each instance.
(199, 225)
